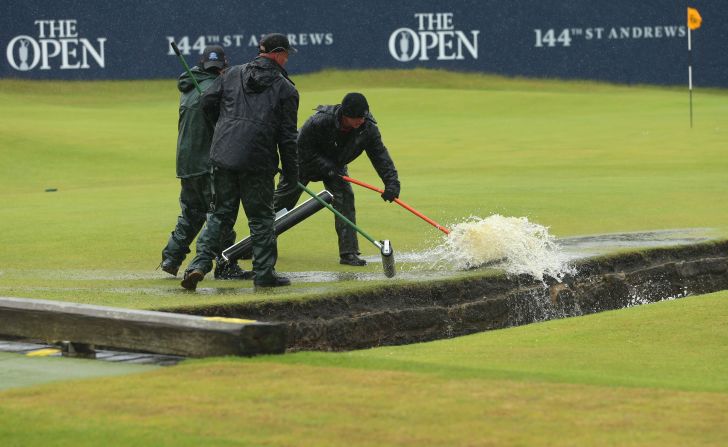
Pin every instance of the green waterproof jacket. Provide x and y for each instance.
(195, 130)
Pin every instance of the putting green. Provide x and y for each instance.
(581, 158)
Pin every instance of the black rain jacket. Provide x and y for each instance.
(255, 106)
(323, 148)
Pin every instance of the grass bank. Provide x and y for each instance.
(650, 375)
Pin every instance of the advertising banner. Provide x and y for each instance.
(620, 41)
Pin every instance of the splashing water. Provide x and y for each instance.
(512, 243)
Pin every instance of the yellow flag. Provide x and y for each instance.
(694, 19)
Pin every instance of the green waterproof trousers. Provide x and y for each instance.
(255, 192)
(194, 202)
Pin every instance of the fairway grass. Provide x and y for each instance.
(655, 375)
(578, 157)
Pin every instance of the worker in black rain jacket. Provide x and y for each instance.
(255, 107)
(328, 141)
(193, 167)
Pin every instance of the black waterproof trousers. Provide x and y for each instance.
(255, 192)
(287, 195)
(194, 202)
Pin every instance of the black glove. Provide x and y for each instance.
(390, 194)
(330, 172)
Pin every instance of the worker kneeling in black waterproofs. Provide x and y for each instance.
(328, 141)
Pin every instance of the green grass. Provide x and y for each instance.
(579, 157)
(651, 375)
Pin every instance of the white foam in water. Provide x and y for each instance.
(511, 243)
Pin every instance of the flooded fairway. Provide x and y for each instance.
(601, 244)
(512, 245)
(341, 310)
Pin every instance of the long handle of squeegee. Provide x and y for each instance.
(340, 216)
(400, 203)
(187, 67)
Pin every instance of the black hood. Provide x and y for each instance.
(260, 74)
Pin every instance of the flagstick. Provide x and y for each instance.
(690, 75)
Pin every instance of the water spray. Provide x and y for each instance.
(515, 244)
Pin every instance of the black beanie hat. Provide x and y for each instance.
(354, 105)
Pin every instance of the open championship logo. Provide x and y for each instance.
(57, 42)
(435, 37)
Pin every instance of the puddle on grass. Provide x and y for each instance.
(548, 251)
(551, 255)
(88, 275)
(423, 266)
(600, 244)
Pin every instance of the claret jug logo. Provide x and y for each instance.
(435, 38)
(57, 45)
